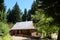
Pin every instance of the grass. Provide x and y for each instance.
(7, 37)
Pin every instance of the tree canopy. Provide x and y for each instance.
(14, 15)
(24, 16)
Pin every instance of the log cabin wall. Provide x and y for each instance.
(32, 30)
(20, 32)
(23, 33)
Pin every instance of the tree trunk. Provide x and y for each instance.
(58, 35)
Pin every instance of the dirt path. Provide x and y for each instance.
(19, 38)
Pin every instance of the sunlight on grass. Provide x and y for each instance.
(7, 37)
(0, 38)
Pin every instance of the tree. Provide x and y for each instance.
(44, 23)
(29, 16)
(2, 16)
(2, 11)
(33, 8)
(9, 15)
(2, 7)
(15, 14)
(4, 30)
(52, 8)
(42, 20)
(24, 17)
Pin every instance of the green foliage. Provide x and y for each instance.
(33, 8)
(52, 8)
(44, 23)
(24, 17)
(29, 16)
(2, 6)
(14, 15)
(4, 29)
(10, 25)
(44, 17)
(7, 37)
(9, 15)
(2, 16)
(1, 1)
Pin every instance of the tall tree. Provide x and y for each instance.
(44, 23)
(15, 14)
(2, 6)
(2, 16)
(29, 16)
(9, 15)
(33, 7)
(24, 17)
(52, 8)
(2, 10)
(42, 20)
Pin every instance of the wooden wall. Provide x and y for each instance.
(24, 33)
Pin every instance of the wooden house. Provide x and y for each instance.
(24, 29)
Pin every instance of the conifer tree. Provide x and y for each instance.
(9, 15)
(2, 11)
(2, 6)
(14, 14)
(29, 16)
(24, 17)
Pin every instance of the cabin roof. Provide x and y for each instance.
(23, 25)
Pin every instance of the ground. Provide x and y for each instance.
(19, 38)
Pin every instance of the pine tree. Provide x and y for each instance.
(2, 16)
(2, 6)
(9, 15)
(32, 11)
(33, 7)
(2, 11)
(15, 14)
(24, 17)
(29, 16)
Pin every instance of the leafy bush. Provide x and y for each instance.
(4, 31)
(44, 23)
(7, 37)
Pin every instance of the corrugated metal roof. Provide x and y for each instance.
(23, 25)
